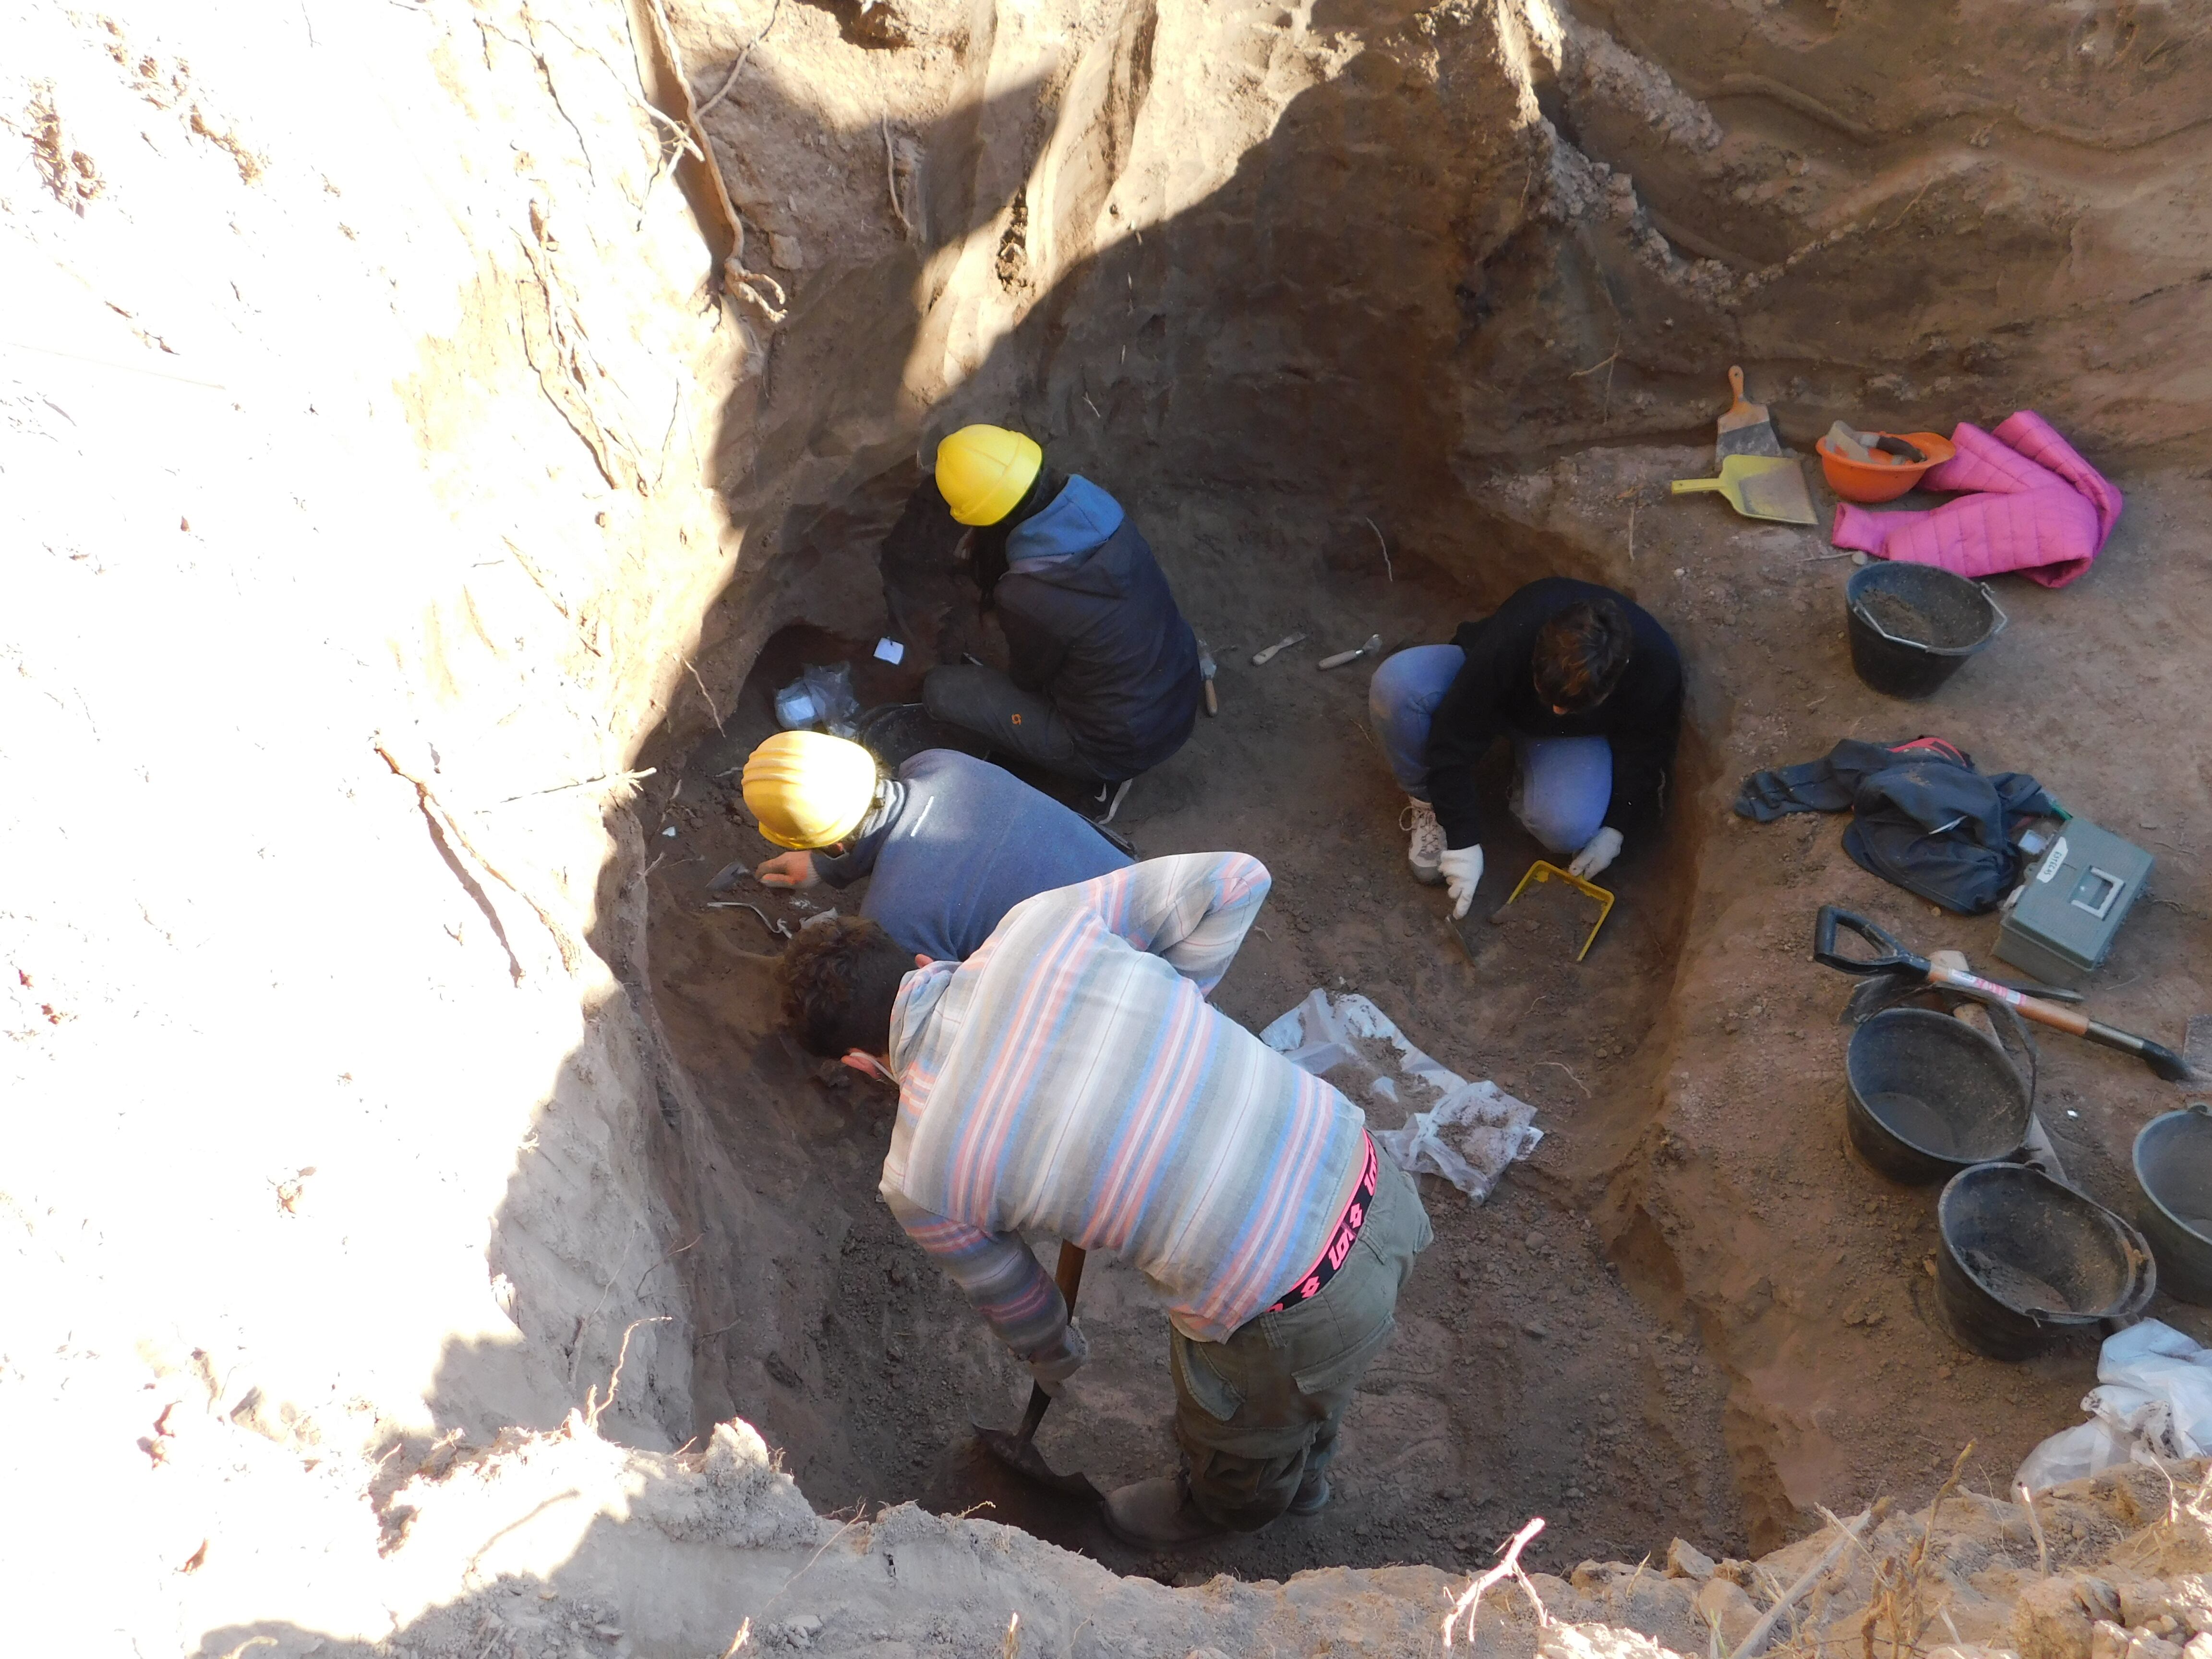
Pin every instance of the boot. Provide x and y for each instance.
(1158, 1514)
(1312, 1495)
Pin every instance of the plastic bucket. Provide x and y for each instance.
(1913, 625)
(2025, 1260)
(1931, 1095)
(2174, 1167)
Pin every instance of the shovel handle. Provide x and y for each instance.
(1893, 957)
(1212, 703)
(1690, 486)
(2156, 1055)
(1068, 1275)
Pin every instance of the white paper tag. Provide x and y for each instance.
(890, 650)
(2053, 861)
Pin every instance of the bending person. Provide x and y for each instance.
(1102, 678)
(1586, 685)
(1071, 1078)
(951, 843)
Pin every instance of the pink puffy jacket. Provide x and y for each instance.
(2040, 508)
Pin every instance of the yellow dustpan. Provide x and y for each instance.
(1758, 487)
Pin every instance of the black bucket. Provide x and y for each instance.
(2025, 1260)
(2174, 1167)
(1931, 1095)
(1913, 625)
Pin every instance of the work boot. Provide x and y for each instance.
(1312, 1495)
(1426, 854)
(1158, 1514)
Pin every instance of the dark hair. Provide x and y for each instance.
(986, 557)
(837, 981)
(1580, 654)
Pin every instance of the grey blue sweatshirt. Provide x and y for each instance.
(963, 842)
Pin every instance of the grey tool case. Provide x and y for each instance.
(2059, 927)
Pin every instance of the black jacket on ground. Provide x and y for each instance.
(1495, 697)
(1921, 816)
(1097, 635)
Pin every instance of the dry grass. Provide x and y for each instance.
(1900, 1611)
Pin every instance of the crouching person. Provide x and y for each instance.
(1589, 687)
(1071, 1078)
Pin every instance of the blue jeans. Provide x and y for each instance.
(1566, 783)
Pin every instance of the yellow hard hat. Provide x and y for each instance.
(808, 789)
(983, 473)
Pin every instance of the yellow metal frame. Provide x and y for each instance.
(1540, 871)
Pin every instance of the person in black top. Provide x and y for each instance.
(1103, 680)
(1587, 685)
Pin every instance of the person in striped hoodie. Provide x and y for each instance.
(1071, 1078)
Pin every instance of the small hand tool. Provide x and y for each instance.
(1373, 647)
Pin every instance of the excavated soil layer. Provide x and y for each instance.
(1572, 1348)
(1348, 310)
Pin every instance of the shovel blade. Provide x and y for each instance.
(1019, 1453)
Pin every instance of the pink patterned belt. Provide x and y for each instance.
(1340, 1236)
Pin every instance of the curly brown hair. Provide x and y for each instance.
(1580, 654)
(837, 981)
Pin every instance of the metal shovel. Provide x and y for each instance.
(1896, 959)
(1017, 1447)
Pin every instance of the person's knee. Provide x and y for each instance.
(948, 692)
(1396, 684)
(1563, 825)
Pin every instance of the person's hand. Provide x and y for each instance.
(1052, 1364)
(1602, 849)
(1462, 869)
(787, 870)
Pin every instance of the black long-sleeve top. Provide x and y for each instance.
(1495, 696)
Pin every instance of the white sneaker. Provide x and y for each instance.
(1426, 852)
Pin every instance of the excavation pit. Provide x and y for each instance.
(489, 442)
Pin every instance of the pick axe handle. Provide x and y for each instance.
(1068, 1275)
(2055, 1015)
(2161, 1058)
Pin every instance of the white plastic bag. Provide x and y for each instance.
(2153, 1404)
(1467, 1132)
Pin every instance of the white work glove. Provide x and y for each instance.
(1054, 1365)
(1602, 849)
(1462, 869)
(787, 870)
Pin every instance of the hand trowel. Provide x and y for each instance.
(1745, 428)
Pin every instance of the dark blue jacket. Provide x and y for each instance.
(1495, 696)
(1093, 627)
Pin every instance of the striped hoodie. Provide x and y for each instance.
(1070, 1079)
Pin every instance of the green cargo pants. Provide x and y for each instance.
(1255, 1414)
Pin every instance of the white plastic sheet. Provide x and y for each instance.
(1467, 1132)
(2153, 1404)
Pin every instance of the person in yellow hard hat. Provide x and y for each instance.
(948, 844)
(1101, 680)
